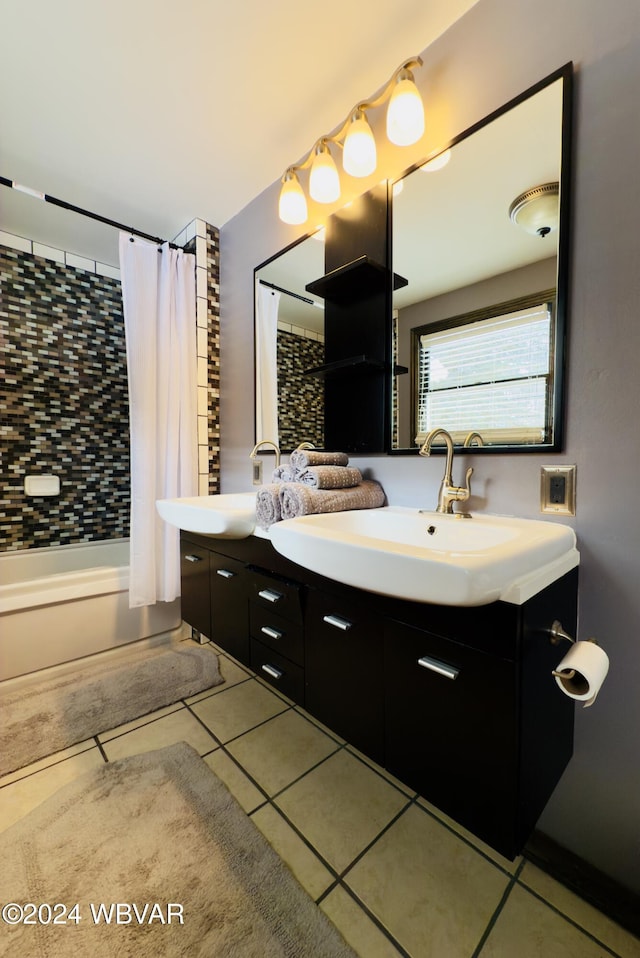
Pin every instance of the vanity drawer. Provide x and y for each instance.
(279, 634)
(278, 671)
(279, 595)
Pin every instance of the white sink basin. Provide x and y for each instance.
(428, 557)
(230, 516)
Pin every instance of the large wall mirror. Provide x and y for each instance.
(289, 341)
(479, 329)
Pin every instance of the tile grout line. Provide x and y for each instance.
(567, 918)
(497, 911)
(371, 915)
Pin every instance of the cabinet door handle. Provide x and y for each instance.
(272, 671)
(192, 558)
(270, 595)
(225, 573)
(441, 668)
(337, 622)
(271, 633)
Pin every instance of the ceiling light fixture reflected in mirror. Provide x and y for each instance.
(536, 211)
(437, 163)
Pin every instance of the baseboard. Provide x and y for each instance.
(604, 893)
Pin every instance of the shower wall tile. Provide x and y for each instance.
(63, 403)
(213, 353)
(300, 397)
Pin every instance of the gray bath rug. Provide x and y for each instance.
(159, 831)
(39, 718)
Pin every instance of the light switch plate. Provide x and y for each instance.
(558, 490)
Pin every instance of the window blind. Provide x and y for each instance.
(492, 376)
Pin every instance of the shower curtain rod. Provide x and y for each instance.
(4, 181)
(281, 289)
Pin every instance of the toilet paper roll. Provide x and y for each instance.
(582, 671)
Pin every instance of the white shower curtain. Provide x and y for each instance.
(267, 303)
(159, 299)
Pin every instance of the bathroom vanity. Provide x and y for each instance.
(458, 702)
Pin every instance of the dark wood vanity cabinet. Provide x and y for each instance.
(458, 703)
(344, 678)
(451, 728)
(194, 577)
(277, 636)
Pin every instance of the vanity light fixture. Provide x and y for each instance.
(537, 210)
(293, 202)
(405, 126)
(324, 182)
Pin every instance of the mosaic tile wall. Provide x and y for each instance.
(300, 397)
(67, 413)
(213, 359)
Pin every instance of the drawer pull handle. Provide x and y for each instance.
(272, 671)
(271, 633)
(270, 595)
(192, 558)
(337, 622)
(225, 573)
(441, 668)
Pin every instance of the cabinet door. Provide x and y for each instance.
(451, 730)
(343, 670)
(194, 577)
(230, 606)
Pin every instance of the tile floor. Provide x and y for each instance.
(396, 876)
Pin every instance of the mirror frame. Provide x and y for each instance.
(565, 74)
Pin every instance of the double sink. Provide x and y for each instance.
(399, 551)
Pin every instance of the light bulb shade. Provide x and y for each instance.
(292, 207)
(537, 210)
(359, 153)
(324, 182)
(405, 113)
(437, 163)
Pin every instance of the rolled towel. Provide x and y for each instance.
(284, 473)
(330, 477)
(268, 505)
(301, 458)
(296, 499)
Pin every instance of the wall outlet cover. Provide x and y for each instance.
(558, 490)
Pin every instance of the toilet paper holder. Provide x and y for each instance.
(557, 634)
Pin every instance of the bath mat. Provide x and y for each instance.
(160, 832)
(39, 718)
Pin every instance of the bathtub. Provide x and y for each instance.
(63, 603)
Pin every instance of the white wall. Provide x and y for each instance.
(495, 52)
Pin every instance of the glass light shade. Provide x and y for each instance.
(405, 113)
(437, 163)
(537, 210)
(359, 153)
(324, 182)
(292, 207)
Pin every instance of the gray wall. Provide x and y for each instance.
(497, 50)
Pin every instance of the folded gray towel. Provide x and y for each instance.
(301, 458)
(284, 473)
(268, 505)
(330, 477)
(296, 499)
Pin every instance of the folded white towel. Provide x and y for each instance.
(330, 477)
(296, 499)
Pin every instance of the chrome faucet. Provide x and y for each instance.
(448, 493)
(266, 442)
